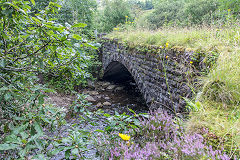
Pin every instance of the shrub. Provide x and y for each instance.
(198, 12)
(32, 44)
(115, 12)
(166, 12)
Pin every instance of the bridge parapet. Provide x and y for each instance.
(164, 76)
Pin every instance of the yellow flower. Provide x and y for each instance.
(124, 137)
(116, 29)
(229, 10)
(191, 62)
(167, 45)
(126, 16)
(166, 57)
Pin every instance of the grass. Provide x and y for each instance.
(223, 124)
(220, 89)
(204, 38)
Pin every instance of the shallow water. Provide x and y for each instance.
(128, 97)
(120, 96)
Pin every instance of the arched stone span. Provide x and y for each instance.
(160, 74)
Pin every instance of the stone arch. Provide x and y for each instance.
(118, 68)
(160, 74)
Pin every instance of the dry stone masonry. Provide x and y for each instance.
(164, 76)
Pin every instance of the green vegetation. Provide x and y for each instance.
(49, 45)
(34, 45)
(114, 13)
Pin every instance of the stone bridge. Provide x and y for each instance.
(164, 76)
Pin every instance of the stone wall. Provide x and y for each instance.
(162, 75)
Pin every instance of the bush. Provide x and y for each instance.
(114, 13)
(166, 12)
(198, 12)
(232, 5)
(75, 11)
(33, 44)
(187, 13)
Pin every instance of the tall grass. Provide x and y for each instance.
(203, 38)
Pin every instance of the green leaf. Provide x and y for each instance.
(38, 128)
(75, 151)
(136, 122)
(89, 45)
(80, 25)
(24, 141)
(77, 37)
(4, 89)
(33, 2)
(66, 140)
(4, 35)
(4, 147)
(106, 115)
(7, 96)
(41, 99)
(131, 110)
(36, 20)
(56, 151)
(40, 156)
(16, 7)
(54, 4)
(2, 63)
(13, 139)
(98, 130)
(67, 153)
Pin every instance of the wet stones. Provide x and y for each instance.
(119, 89)
(99, 104)
(90, 99)
(93, 93)
(111, 87)
(114, 97)
(107, 104)
(107, 98)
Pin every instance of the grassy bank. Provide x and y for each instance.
(219, 95)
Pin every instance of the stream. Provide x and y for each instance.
(109, 97)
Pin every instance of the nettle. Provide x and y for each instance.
(33, 44)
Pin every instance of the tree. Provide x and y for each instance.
(166, 12)
(32, 44)
(196, 11)
(75, 11)
(115, 12)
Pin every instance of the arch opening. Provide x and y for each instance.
(117, 72)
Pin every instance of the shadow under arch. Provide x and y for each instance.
(117, 72)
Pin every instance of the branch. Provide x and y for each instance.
(8, 68)
(45, 45)
(14, 47)
(5, 80)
